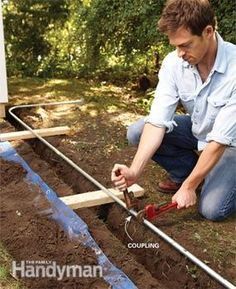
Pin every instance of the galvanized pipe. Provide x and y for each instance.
(132, 212)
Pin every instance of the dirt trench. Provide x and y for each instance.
(165, 264)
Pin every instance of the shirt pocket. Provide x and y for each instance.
(214, 106)
(187, 100)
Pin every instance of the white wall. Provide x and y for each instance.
(3, 74)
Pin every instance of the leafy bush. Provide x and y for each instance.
(73, 38)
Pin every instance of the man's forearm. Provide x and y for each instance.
(207, 160)
(150, 141)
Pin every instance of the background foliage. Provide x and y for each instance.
(73, 38)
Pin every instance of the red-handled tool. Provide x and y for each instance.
(152, 211)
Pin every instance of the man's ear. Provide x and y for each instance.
(208, 31)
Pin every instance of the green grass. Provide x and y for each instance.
(3, 273)
(6, 280)
(100, 96)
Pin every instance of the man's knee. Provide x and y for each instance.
(134, 132)
(211, 211)
(133, 136)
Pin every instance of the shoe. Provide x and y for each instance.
(168, 186)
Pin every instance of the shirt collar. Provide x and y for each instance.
(220, 63)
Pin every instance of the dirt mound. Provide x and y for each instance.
(28, 235)
(10, 173)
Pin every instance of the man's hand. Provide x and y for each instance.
(122, 176)
(150, 141)
(184, 197)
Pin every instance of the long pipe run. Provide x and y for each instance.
(132, 212)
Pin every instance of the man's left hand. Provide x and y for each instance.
(184, 197)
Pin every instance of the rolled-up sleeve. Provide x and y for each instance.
(224, 128)
(166, 97)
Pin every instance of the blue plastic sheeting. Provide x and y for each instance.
(72, 224)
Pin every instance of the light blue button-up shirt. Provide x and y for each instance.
(211, 105)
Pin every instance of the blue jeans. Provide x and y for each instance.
(178, 157)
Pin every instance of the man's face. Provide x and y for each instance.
(191, 48)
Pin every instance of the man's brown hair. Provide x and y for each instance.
(194, 15)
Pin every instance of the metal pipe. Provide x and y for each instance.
(132, 212)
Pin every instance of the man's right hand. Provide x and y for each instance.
(150, 141)
(122, 177)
